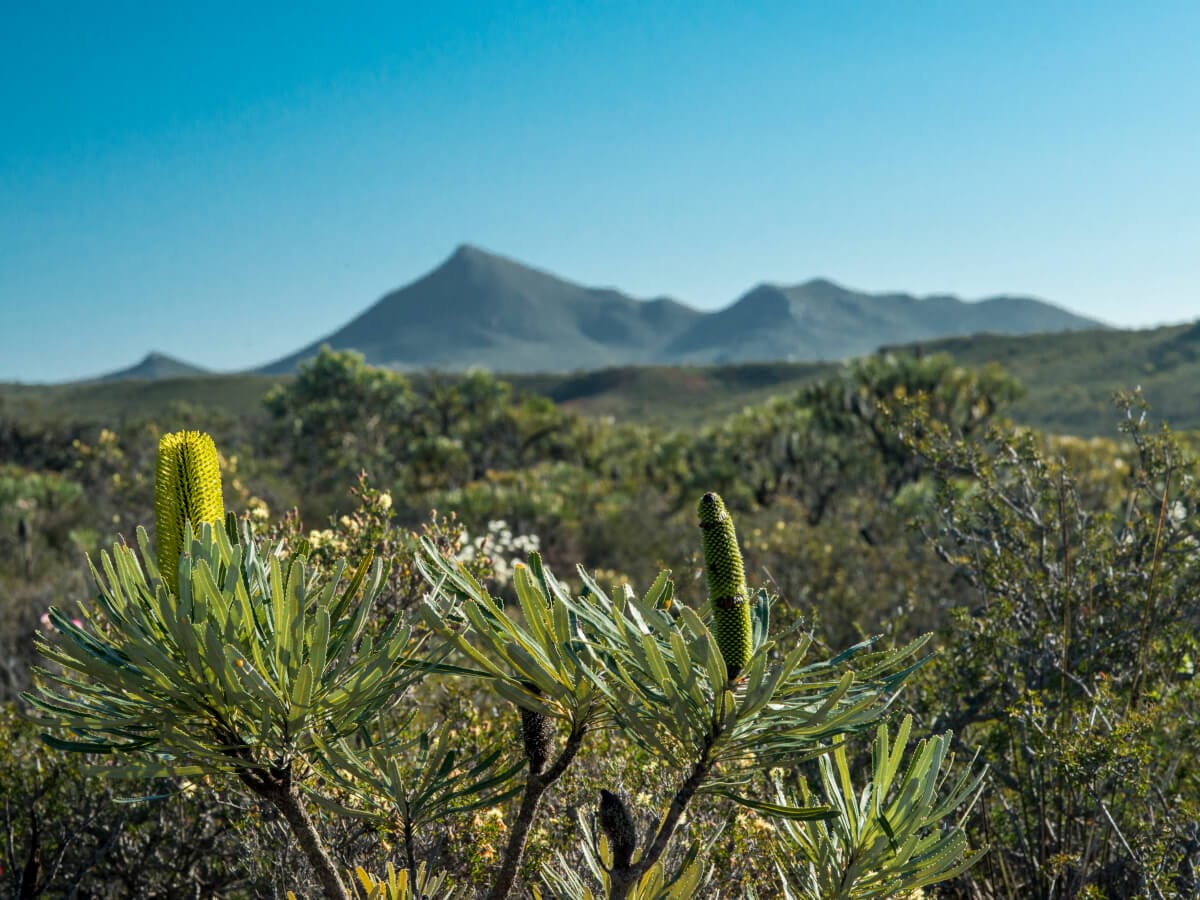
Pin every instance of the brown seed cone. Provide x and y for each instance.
(537, 734)
(617, 823)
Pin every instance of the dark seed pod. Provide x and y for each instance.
(726, 583)
(537, 733)
(617, 823)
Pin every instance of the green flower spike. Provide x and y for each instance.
(187, 489)
(726, 583)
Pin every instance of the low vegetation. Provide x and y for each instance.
(400, 638)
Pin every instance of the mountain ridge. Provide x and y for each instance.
(1070, 379)
(482, 309)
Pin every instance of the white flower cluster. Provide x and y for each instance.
(503, 547)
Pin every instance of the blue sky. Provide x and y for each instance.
(227, 183)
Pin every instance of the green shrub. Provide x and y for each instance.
(231, 663)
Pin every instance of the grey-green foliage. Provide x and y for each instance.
(536, 665)
(402, 885)
(565, 882)
(887, 839)
(658, 665)
(249, 666)
(653, 668)
(413, 779)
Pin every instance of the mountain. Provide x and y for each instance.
(480, 309)
(154, 366)
(820, 320)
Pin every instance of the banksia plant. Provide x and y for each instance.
(726, 584)
(406, 784)
(889, 838)
(666, 679)
(537, 732)
(532, 661)
(187, 489)
(243, 669)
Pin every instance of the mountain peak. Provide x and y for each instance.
(472, 256)
(470, 264)
(763, 299)
(469, 253)
(155, 365)
(823, 287)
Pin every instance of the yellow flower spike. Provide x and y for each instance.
(187, 489)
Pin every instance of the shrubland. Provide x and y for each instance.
(434, 648)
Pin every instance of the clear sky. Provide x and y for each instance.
(228, 183)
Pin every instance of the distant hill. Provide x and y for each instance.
(820, 320)
(672, 395)
(479, 309)
(1070, 378)
(131, 399)
(154, 366)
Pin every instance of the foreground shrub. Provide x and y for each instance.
(231, 661)
(886, 840)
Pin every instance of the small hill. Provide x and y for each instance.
(821, 320)
(681, 396)
(479, 309)
(1070, 379)
(154, 366)
(131, 399)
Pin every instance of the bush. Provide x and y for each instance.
(234, 665)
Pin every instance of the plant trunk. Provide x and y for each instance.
(409, 853)
(624, 879)
(289, 804)
(535, 787)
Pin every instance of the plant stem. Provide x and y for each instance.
(1148, 612)
(278, 789)
(623, 880)
(409, 854)
(535, 786)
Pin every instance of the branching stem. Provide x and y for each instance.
(624, 879)
(535, 786)
(277, 788)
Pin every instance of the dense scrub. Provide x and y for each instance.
(1060, 579)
